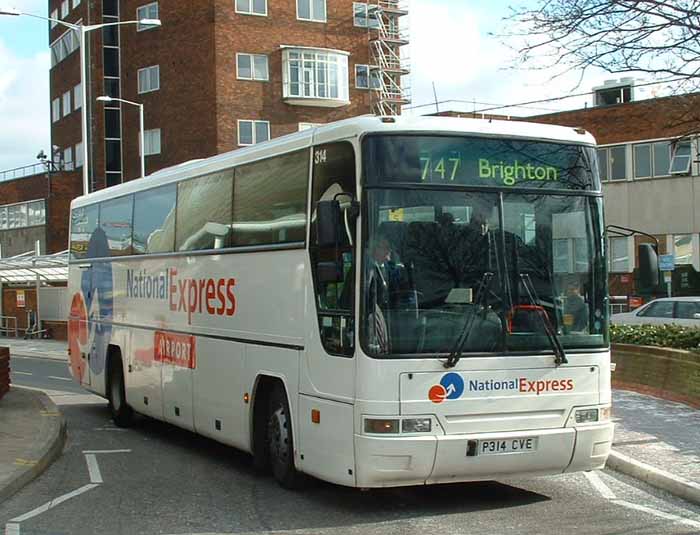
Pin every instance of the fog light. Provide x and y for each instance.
(416, 425)
(381, 426)
(605, 414)
(584, 416)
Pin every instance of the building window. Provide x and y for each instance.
(314, 10)
(66, 103)
(315, 75)
(619, 255)
(252, 132)
(79, 155)
(683, 249)
(65, 8)
(55, 109)
(662, 158)
(77, 97)
(364, 16)
(252, 67)
(642, 161)
(680, 163)
(76, 3)
(64, 46)
(149, 79)
(151, 142)
(54, 15)
(149, 11)
(68, 159)
(251, 7)
(364, 76)
(26, 214)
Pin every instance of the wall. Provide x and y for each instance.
(667, 373)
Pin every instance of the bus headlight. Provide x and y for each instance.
(416, 425)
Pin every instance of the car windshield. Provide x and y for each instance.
(509, 260)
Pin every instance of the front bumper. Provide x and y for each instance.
(400, 461)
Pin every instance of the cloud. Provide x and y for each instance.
(451, 46)
(24, 107)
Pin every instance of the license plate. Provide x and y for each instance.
(508, 445)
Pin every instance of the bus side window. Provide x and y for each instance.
(334, 172)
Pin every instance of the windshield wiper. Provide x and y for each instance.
(559, 354)
(456, 353)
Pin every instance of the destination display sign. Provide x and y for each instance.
(473, 161)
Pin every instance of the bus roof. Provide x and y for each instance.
(345, 129)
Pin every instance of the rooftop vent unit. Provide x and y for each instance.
(614, 92)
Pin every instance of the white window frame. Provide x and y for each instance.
(252, 67)
(250, 11)
(311, 10)
(254, 123)
(372, 78)
(306, 60)
(64, 46)
(146, 7)
(55, 109)
(149, 69)
(78, 97)
(65, 8)
(78, 157)
(149, 139)
(362, 7)
(66, 101)
(674, 155)
(68, 159)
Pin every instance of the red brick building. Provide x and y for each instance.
(216, 75)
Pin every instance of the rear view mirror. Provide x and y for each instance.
(648, 266)
(328, 223)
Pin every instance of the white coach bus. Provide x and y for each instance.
(375, 302)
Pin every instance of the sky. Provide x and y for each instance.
(451, 46)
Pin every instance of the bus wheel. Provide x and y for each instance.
(279, 441)
(122, 414)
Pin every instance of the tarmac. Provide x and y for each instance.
(656, 441)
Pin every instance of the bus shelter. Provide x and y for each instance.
(33, 295)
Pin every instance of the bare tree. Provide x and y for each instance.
(660, 38)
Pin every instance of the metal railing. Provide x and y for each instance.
(8, 324)
(22, 172)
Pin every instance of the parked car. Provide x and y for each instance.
(675, 310)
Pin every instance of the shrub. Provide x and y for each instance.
(673, 336)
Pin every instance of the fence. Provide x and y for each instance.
(8, 326)
(21, 172)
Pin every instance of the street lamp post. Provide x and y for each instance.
(141, 130)
(83, 29)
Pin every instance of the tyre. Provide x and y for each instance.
(122, 414)
(280, 444)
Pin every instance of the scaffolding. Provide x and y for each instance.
(388, 63)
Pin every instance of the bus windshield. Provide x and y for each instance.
(502, 261)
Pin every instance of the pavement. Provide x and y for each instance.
(656, 441)
(32, 434)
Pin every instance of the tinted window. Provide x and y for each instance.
(204, 212)
(112, 87)
(618, 163)
(110, 35)
(269, 200)
(115, 220)
(687, 309)
(112, 126)
(83, 225)
(111, 66)
(154, 220)
(660, 309)
(113, 150)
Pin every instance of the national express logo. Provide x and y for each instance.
(452, 386)
(94, 302)
(183, 294)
